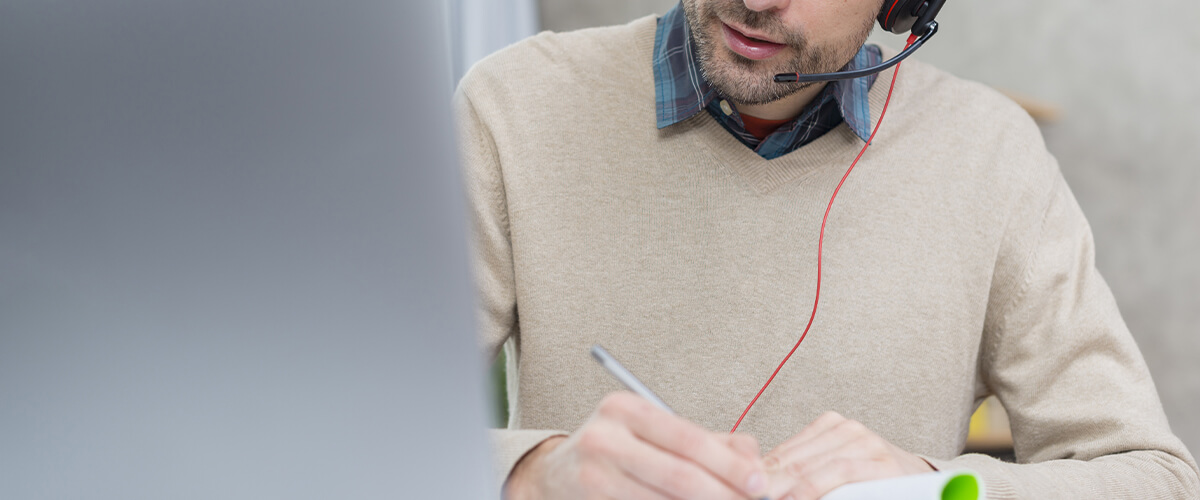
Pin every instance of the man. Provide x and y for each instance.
(649, 188)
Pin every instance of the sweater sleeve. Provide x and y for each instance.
(1085, 415)
(495, 282)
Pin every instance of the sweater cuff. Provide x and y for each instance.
(996, 480)
(509, 446)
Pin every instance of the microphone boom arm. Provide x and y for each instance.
(847, 75)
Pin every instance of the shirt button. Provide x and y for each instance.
(726, 108)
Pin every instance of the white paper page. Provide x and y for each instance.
(953, 485)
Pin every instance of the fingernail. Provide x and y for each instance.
(756, 484)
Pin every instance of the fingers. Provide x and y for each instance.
(821, 425)
(710, 452)
(819, 481)
(831, 452)
(618, 485)
(744, 444)
(625, 487)
(601, 474)
(668, 474)
(858, 449)
(863, 444)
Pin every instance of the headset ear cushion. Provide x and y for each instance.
(898, 16)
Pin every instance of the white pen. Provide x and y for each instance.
(626, 377)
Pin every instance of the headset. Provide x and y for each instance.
(896, 16)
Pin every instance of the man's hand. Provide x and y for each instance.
(631, 450)
(833, 451)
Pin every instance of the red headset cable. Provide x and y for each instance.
(821, 242)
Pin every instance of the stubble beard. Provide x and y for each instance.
(747, 81)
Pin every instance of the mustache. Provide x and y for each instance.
(765, 22)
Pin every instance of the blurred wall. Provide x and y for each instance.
(564, 15)
(1128, 142)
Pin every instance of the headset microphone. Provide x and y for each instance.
(896, 16)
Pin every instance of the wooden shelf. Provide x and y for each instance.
(989, 431)
(1042, 112)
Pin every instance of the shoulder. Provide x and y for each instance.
(978, 127)
(562, 65)
(969, 107)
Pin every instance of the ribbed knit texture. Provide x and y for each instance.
(957, 265)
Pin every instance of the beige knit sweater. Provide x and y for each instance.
(957, 265)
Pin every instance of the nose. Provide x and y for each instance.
(764, 5)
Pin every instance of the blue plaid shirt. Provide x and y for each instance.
(681, 91)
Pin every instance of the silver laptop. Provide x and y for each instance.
(232, 256)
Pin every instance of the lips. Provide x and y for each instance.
(750, 48)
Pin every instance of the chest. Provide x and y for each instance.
(701, 285)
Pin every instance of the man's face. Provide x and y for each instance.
(742, 44)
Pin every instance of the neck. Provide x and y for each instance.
(782, 109)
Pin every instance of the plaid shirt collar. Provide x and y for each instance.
(681, 91)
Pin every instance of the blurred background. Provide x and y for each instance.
(230, 258)
(1113, 85)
